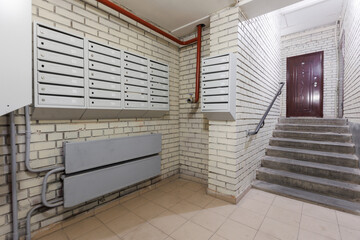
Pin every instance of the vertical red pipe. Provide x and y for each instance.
(198, 60)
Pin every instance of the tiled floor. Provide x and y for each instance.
(181, 210)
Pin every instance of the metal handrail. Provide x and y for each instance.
(262, 121)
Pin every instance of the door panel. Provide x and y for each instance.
(305, 86)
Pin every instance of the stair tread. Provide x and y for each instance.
(312, 125)
(329, 167)
(317, 133)
(308, 178)
(313, 142)
(332, 202)
(330, 154)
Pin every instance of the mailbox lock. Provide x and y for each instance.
(42, 55)
(92, 55)
(43, 89)
(42, 77)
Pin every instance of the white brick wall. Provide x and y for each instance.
(350, 27)
(234, 157)
(48, 136)
(314, 40)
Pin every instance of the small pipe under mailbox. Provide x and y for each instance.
(14, 201)
(169, 36)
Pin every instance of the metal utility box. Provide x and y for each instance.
(77, 78)
(15, 55)
(218, 87)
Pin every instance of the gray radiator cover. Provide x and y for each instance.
(80, 156)
(85, 186)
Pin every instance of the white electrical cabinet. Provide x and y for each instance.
(93, 80)
(15, 55)
(218, 84)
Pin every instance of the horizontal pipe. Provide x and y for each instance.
(145, 23)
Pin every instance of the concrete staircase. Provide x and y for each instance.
(314, 160)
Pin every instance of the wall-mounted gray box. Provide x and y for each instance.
(218, 87)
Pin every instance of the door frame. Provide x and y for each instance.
(321, 87)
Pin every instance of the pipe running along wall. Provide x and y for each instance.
(167, 35)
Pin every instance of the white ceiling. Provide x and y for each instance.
(309, 14)
(179, 17)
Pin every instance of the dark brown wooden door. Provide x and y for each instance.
(304, 85)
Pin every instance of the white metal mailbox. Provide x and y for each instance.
(104, 66)
(159, 85)
(218, 93)
(59, 76)
(73, 73)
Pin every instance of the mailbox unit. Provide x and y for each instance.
(218, 83)
(76, 78)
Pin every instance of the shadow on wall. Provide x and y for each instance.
(355, 130)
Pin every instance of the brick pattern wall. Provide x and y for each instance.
(194, 133)
(350, 27)
(314, 40)
(234, 157)
(94, 21)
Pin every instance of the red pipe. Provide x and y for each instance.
(198, 59)
(167, 35)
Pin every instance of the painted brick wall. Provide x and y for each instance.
(234, 157)
(314, 40)
(350, 27)
(99, 23)
(194, 133)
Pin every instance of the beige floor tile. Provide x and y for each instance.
(319, 212)
(265, 236)
(169, 238)
(145, 231)
(306, 235)
(285, 216)
(58, 235)
(194, 186)
(125, 224)
(168, 222)
(232, 230)
(182, 192)
(169, 187)
(185, 209)
(149, 211)
(349, 234)
(254, 205)
(167, 200)
(288, 204)
(261, 196)
(200, 199)
(112, 213)
(321, 227)
(102, 233)
(221, 207)
(180, 182)
(78, 229)
(248, 217)
(217, 237)
(135, 203)
(191, 231)
(153, 194)
(278, 229)
(348, 220)
(209, 220)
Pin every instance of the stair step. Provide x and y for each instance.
(313, 128)
(337, 147)
(314, 136)
(344, 190)
(335, 203)
(313, 169)
(314, 121)
(339, 159)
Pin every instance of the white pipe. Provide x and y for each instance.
(13, 178)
